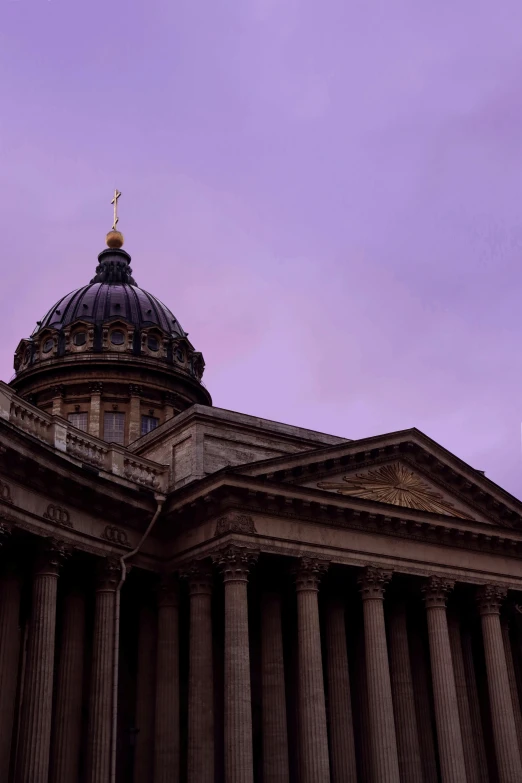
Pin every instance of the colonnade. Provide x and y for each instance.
(390, 696)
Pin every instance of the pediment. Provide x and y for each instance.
(396, 483)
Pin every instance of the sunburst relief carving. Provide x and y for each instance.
(395, 484)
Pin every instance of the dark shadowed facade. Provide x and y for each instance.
(194, 595)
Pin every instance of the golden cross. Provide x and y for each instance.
(114, 201)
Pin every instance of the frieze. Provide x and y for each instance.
(409, 529)
(235, 523)
(58, 515)
(116, 535)
(5, 492)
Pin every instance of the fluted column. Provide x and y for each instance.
(166, 729)
(504, 623)
(275, 735)
(403, 696)
(100, 701)
(65, 756)
(490, 598)
(200, 762)
(35, 727)
(362, 725)
(10, 586)
(145, 695)
(313, 739)
(385, 763)
(466, 728)
(451, 752)
(235, 563)
(342, 745)
(474, 705)
(423, 708)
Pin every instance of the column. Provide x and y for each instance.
(65, 756)
(145, 695)
(101, 686)
(313, 735)
(474, 704)
(342, 745)
(200, 761)
(362, 725)
(410, 765)
(10, 587)
(235, 563)
(466, 728)
(166, 729)
(423, 708)
(35, 726)
(95, 410)
(490, 599)
(135, 413)
(451, 752)
(58, 395)
(385, 764)
(275, 734)
(504, 623)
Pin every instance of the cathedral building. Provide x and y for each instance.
(194, 595)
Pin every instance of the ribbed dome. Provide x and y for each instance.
(99, 302)
(112, 293)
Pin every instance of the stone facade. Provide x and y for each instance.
(234, 600)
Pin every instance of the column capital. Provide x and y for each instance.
(198, 574)
(373, 582)
(108, 574)
(51, 556)
(436, 591)
(235, 562)
(168, 590)
(490, 598)
(308, 573)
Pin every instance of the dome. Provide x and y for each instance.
(112, 293)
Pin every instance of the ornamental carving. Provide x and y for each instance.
(235, 562)
(490, 598)
(309, 572)
(51, 556)
(235, 523)
(373, 582)
(198, 574)
(5, 492)
(398, 485)
(115, 535)
(436, 591)
(109, 574)
(58, 516)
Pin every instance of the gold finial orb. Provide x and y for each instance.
(114, 239)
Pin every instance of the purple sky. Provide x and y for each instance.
(328, 196)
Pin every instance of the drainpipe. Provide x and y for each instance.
(116, 649)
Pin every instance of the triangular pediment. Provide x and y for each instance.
(395, 483)
(405, 469)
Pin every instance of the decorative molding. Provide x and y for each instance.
(309, 572)
(58, 515)
(5, 492)
(490, 598)
(235, 561)
(52, 555)
(436, 591)
(108, 574)
(373, 582)
(237, 523)
(116, 535)
(198, 574)
(395, 484)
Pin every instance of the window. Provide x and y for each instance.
(80, 338)
(78, 420)
(114, 427)
(117, 337)
(148, 423)
(48, 345)
(153, 343)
